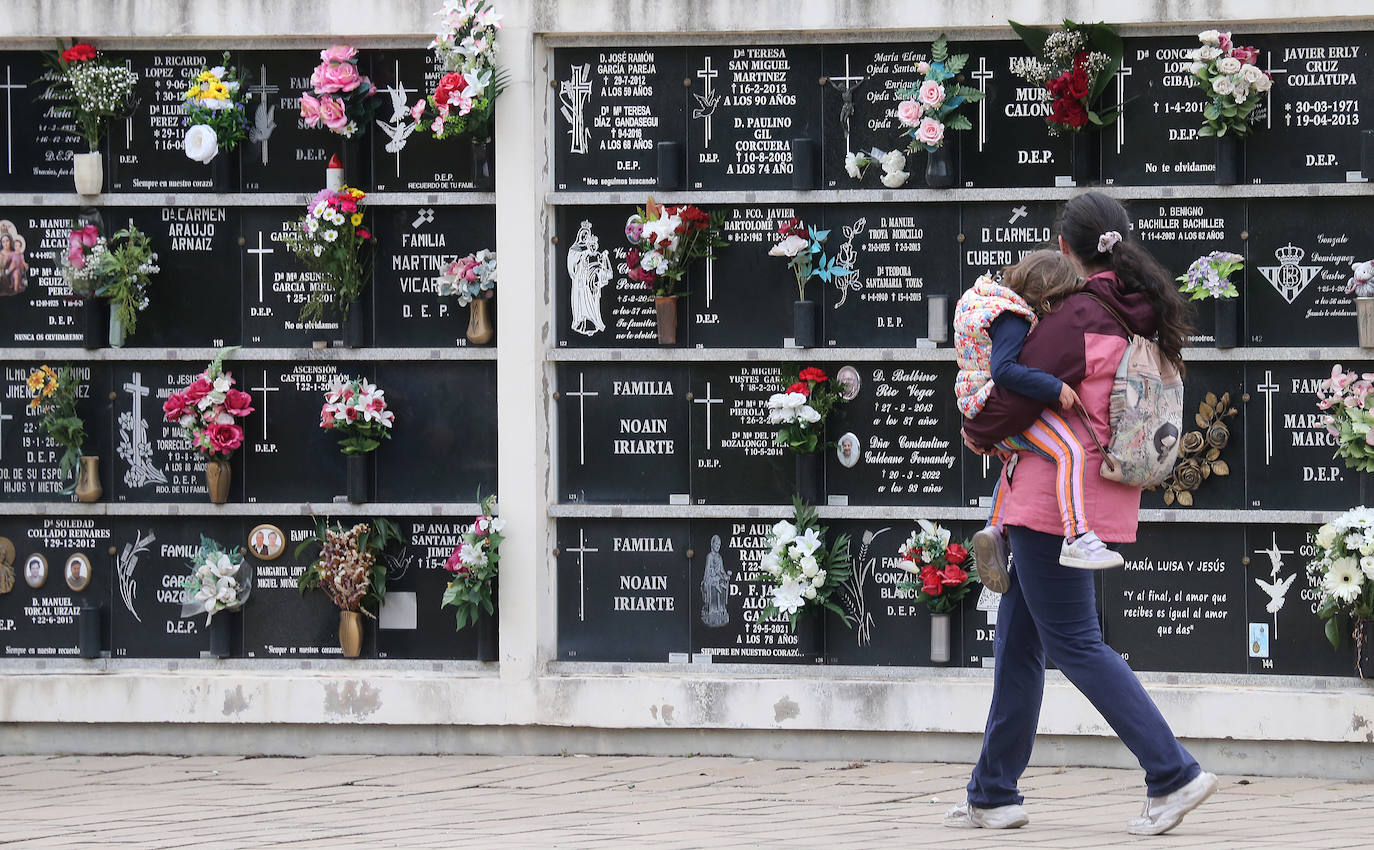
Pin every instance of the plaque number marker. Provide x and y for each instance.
(1268, 388)
(9, 86)
(581, 550)
(708, 401)
(581, 396)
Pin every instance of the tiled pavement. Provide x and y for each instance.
(495, 802)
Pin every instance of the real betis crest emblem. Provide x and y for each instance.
(1289, 278)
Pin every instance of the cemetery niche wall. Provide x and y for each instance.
(228, 278)
(668, 476)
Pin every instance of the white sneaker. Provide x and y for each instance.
(990, 559)
(1162, 814)
(966, 816)
(1087, 552)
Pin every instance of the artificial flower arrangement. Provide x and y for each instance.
(803, 571)
(54, 401)
(332, 241)
(120, 270)
(215, 118)
(1199, 452)
(463, 102)
(1344, 570)
(85, 247)
(945, 569)
(665, 240)
(1209, 276)
(469, 278)
(932, 108)
(100, 90)
(474, 564)
(217, 581)
(1231, 79)
(350, 568)
(893, 164)
(803, 247)
(1345, 398)
(1074, 63)
(356, 410)
(210, 409)
(342, 99)
(802, 409)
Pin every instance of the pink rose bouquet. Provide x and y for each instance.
(85, 246)
(932, 107)
(474, 565)
(342, 98)
(209, 411)
(463, 102)
(357, 410)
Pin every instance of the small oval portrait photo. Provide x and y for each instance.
(266, 542)
(847, 382)
(35, 570)
(847, 450)
(77, 572)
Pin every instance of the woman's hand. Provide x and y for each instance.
(974, 447)
(1067, 397)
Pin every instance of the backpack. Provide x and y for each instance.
(1146, 413)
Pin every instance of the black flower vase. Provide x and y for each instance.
(357, 468)
(670, 160)
(1086, 157)
(811, 477)
(805, 323)
(940, 167)
(1228, 160)
(1227, 322)
(88, 631)
(483, 169)
(1366, 488)
(354, 325)
(804, 171)
(1367, 154)
(220, 631)
(224, 171)
(95, 324)
(488, 627)
(356, 164)
(1364, 648)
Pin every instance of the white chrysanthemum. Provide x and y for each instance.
(1343, 580)
(787, 597)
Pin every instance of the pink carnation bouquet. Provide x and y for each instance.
(209, 411)
(357, 411)
(342, 98)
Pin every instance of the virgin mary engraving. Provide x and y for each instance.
(715, 588)
(590, 270)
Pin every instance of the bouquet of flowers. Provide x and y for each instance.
(893, 163)
(343, 98)
(54, 400)
(474, 565)
(122, 272)
(332, 241)
(1199, 452)
(216, 583)
(1346, 399)
(1075, 64)
(1208, 276)
(209, 410)
(357, 410)
(215, 117)
(100, 90)
(933, 107)
(945, 569)
(666, 240)
(464, 100)
(1344, 569)
(803, 571)
(350, 569)
(85, 248)
(1230, 77)
(470, 277)
(801, 410)
(804, 249)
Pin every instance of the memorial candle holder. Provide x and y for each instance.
(1085, 157)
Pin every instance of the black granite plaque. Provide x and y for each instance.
(732, 629)
(411, 623)
(43, 620)
(1290, 460)
(406, 159)
(624, 594)
(1216, 491)
(276, 285)
(39, 131)
(748, 105)
(288, 457)
(1283, 633)
(598, 305)
(36, 304)
(425, 398)
(735, 455)
(414, 246)
(154, 461)
(1178, 232)
(908, 439)
(898, 257)
(282, 154)
(1311, 133)
(745, 297)
(613, 107)
(1299, 258)
(28, 456)
(146, 149)
(1000, 235)
(859, 107)
(194, 299)
(1010, 143)
(1179, 604)
(622, 433)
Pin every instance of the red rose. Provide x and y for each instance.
(1077, 114)
(1079, 84)
(955, 554)
(790, 226)
(1059, 85)
(174, 407)
(1248, 55)
(953, 576)
(81, 52)
(238, 403)
(199, 388)
(930, 581)
(1224, 42)
(800, 387)
(448, 85)
(811, 373)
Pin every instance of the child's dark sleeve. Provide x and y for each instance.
(1008, 332)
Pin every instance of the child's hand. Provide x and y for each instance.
(1067, 397)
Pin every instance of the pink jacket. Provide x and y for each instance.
(973, 315)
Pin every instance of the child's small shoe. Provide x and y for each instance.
(990, 559)
(1087, 552)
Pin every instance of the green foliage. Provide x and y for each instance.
(475, 567)
(55, 395)
(124, 272)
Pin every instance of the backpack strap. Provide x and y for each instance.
(1107, 459)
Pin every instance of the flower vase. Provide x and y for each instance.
(224, 172)
(88, 173)
(116, 328)
(939, 638)
(665, 309)
(89, 637)
(220, 630)
(1367, 154)
(805, 318)
(354, 325)
(1086, 157)
(804, 164)
(811, 477)
(1366, 480)
(937, 318)
(1228, 160)
(94, 325)
(480, 328)
(670, 159)
(488, 628)
(217, 478)
(354, 152)
(1227, 330)
(1364, 316)
(483, 168)
(88, 487)
(940, 168)
(357, 469)
(351, 633)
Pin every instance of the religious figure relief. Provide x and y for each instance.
(846, 86)
(124, 569)
(852, 591)
(845, 268)
(264, 117)
(715, 588)
(1289, 278)
(399, 128)
(572, 99)
(1277, 586)
(13, 267)
(134, 446)
(707, 101)
(590, 271)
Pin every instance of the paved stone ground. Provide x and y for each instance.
(585, 802)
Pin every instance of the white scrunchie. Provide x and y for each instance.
(1107, 241)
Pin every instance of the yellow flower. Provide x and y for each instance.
(194, 91)
(357, 219)
(35, 381)
(33, 405)
(205, 77)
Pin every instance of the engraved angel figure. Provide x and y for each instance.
(400, 127)
(1276, 590)
(590, 271)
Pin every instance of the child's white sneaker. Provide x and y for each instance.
(1087, 552)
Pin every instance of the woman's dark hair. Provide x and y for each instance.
(1083, 221)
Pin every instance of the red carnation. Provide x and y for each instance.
(955, 554)
(800, 387)
(81, 52)
(363, 234)
(811, 373)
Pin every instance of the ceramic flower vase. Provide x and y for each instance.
(94, 325)
(665, 309)
(356, 467)
(1085, 157)
(89, 632)
(805, 322)
(88, 487)
(351, 633)
(939, 638)
(480, 328)
(1228, 160)
(220, 629)
(483, 169)
(217, 478)
(940, 168)
(811, 477)
(116, 328)
(88, 173)
(488, 628)
(1364, 315)
(1227, 322)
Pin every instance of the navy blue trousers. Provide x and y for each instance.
(1050, 610)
